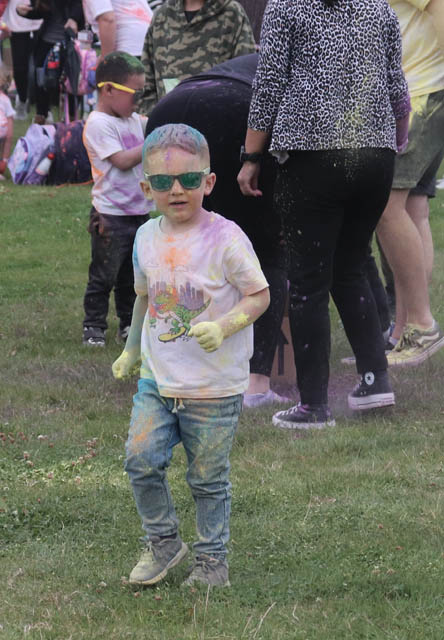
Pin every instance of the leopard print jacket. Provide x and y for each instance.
(329, 77)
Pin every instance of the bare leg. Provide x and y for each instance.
(258, 383)
(418, 210)
(403, 247)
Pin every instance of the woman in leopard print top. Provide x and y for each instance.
(331, 102)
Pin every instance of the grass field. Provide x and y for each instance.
(335, 535)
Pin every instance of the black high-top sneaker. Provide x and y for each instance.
(373, 391)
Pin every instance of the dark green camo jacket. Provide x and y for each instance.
(175, 49)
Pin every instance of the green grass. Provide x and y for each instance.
(335, 535)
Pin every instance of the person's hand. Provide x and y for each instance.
(23, 9)
(248, 179)
(4, 31)
(71, 24)
(208, 334)
(3, 165)
(125, 366)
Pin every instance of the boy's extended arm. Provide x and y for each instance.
(125, 160)
(129, 360)
(210, 335)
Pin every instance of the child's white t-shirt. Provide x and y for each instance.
(6, 111)
(115, 192)
(132, 17)
(194, 277)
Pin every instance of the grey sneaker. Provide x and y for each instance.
(209, 571)
(93, 337)
(21, 110)
(160, 555)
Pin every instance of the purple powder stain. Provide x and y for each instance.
(131, 140)
(134, 198)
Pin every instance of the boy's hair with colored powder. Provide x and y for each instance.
(180, 136)
(117, 66)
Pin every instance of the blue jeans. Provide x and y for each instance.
(206, 428)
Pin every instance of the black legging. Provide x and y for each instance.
(43, 98)
(378, 290)
(21, 50)
(330, 203)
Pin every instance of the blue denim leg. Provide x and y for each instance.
(207, 428)
(154, 431)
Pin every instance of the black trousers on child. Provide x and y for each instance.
(112, 239)
(330, 203)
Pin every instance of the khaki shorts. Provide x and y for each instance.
(426, 141)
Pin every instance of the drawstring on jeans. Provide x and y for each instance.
(177, 406)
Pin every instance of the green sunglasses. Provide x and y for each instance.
(164, 181)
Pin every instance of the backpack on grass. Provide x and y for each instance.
(71, 163)
(30, 149)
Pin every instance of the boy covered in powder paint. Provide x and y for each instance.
(113, 137)
(199, 289)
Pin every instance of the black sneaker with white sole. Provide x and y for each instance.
(93, 337)
(304, 416)
(373, 391)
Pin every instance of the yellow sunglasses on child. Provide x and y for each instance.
(137, 93)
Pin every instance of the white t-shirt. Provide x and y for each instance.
(133, 18)
(6, 111)
(422, 58)
(115, 192)
(16, 23)
(193, 277)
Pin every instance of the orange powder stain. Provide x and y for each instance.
(175, 257)
(142, 426)
(138, 13)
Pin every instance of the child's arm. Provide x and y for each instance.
(8, 144)
(129, 360)
(127, 159)
(106, 23)
(210, 335)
